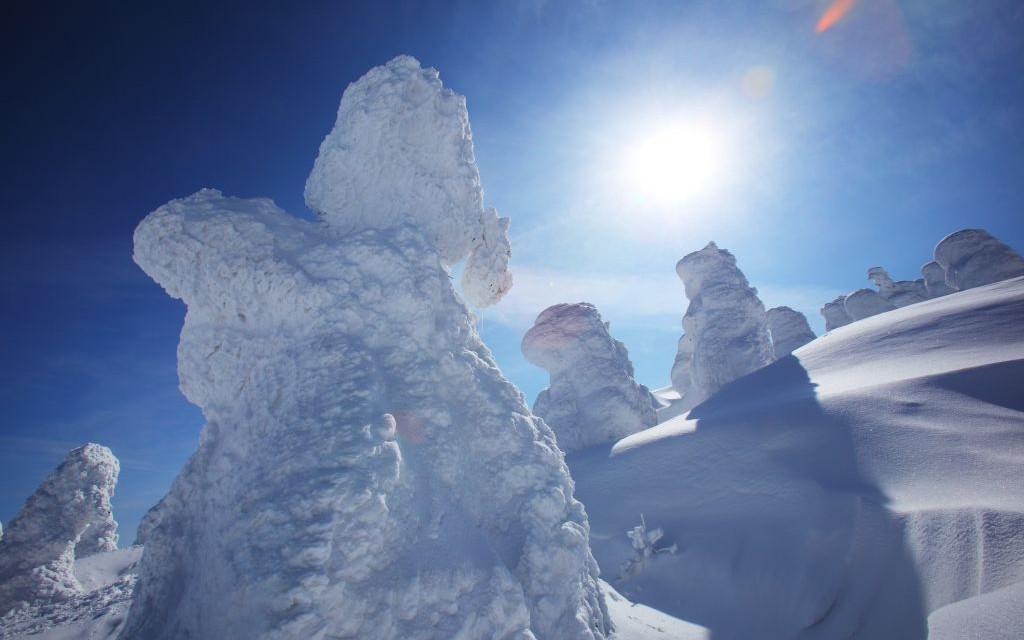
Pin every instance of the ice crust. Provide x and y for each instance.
(365, 470)
(68, 516)
(789, 330)
(725, 328)
(593, 397)
(974, 257)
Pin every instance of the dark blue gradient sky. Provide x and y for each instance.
(871, 141)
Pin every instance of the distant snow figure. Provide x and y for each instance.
(864, 303)
(365, 470)
(593, 397)
(68, 516)
(789, 330)
(974, 257)
(835, 314)
(726, 324)
(935, 280)
(899, 293)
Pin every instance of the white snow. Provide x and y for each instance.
(835, 313)
(868, 485)
(69, 515)
(365, 470)
(974, 257)
(593, 397)
(898, 293)
(935, 280)
(864, 303)
(725, 328)
(789, 330)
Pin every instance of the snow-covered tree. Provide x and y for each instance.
(365, 471)
(789, 330)
(974, 257)
(68, 514)
(593, 397)
(725, 326)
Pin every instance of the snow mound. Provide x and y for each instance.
(725, 326)
(789, 330)
(69, 515)
(835, 314)
(866, 486)
(593, 396)
(365, 470)
(974, 257)
(401, 152)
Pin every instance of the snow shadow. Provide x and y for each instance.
(814, 552)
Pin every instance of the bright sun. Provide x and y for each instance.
(676, 163)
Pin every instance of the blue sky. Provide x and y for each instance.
(859, 146)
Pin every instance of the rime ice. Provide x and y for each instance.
(68, 516)
(725, 326)
(365, 470)
(974, 257)
(789, 330)
(593, 397)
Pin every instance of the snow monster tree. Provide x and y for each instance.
(365, 471)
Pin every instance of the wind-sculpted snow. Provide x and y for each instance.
(898, 293)
(726, 324)
(974, 257)
(789, 330)
(401, 151)
(68, 515)
(593, 397)
(365, 470)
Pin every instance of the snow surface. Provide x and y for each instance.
(69, 515)
(789, 330)
(725, 328)
(593, 397)
(365, 470)
(866, 486)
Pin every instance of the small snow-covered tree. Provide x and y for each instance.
(644, 548)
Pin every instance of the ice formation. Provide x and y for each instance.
(935, 280)
(835, 314)
(864, 303)
(68, 515)
(593, 397)
(725, 326)
(973, 257)
(148, 523)
(365, 470)
(899, 293)
(789, 330)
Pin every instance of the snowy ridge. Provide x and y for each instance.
(866, 486)
(365, 470)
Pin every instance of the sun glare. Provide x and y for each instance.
(676, 163)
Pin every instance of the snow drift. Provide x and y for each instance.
(68, 516)
(593, 396)
(866, 486)
(725, 328)
(365, 470)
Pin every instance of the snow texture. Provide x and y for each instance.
(867, 486)
(593, 397)
(935, 280)
(725, 328)
(789, 330)
(835, 314)
(864, 303)
(898, 293)
(365, 471)
(974, 257)
(148, 523)
(401, 152)
(69, 515)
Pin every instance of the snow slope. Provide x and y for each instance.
(867, 486)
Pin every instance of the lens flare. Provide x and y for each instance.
(833, 14)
